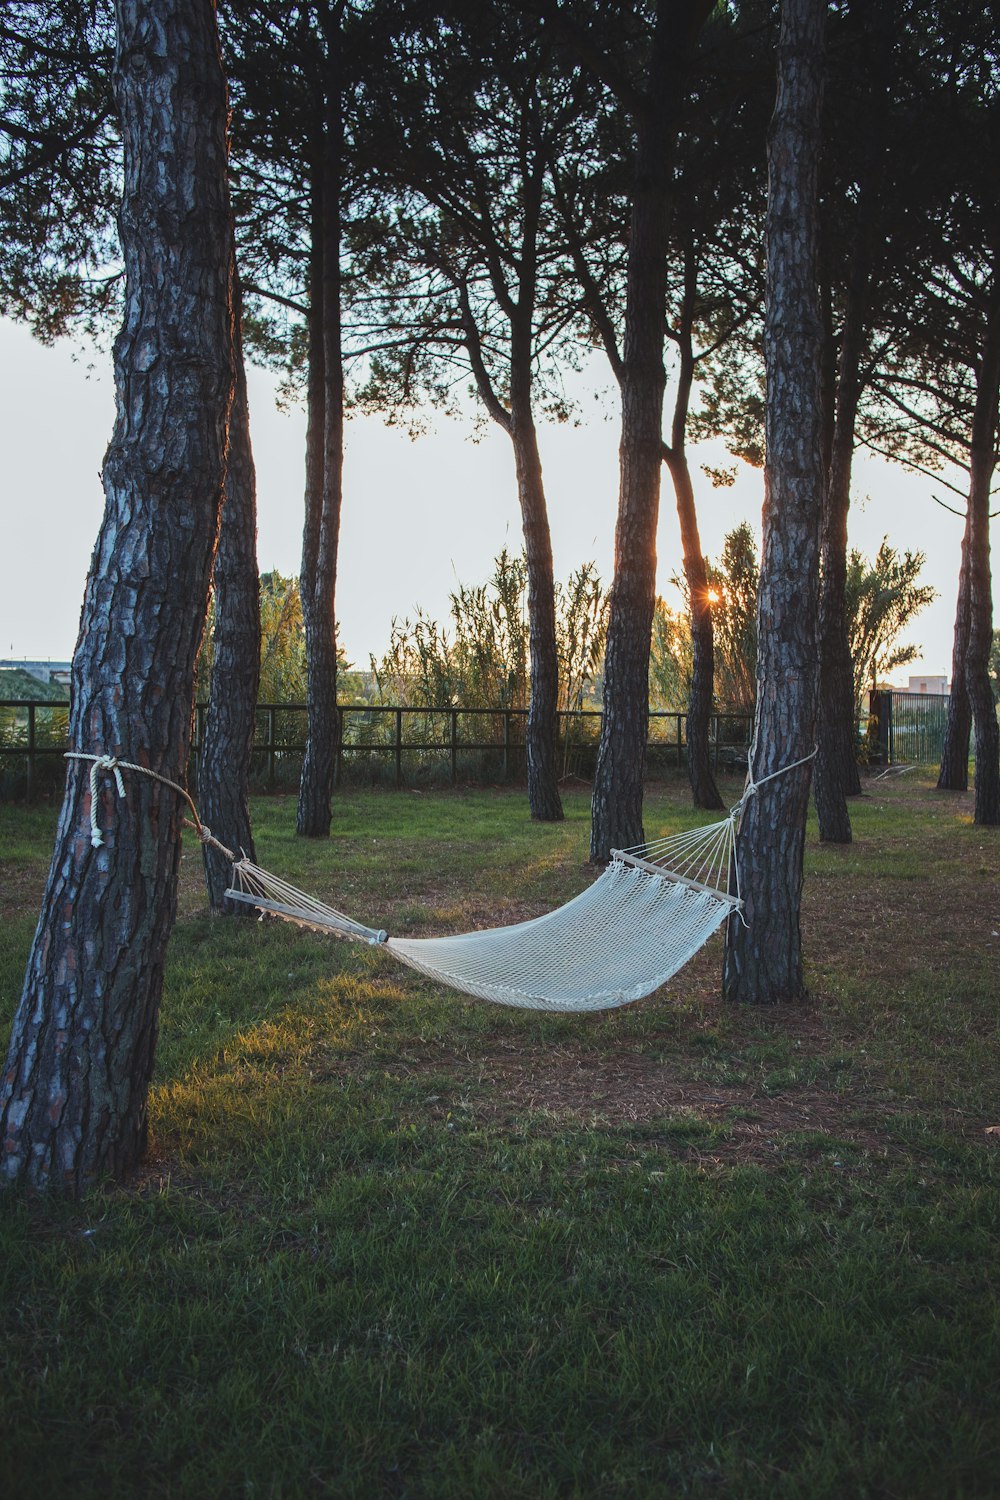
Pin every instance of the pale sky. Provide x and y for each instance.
(418, 516)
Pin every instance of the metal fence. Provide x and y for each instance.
(911, 727)
(378, 743)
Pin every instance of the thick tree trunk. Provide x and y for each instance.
(763, 962)
(224, 763)
(616, 806)
(543, 711)
(837, 776)
(75, 1085)
(699, 716)
(836, 765)
(953, 775)
(977, 661)
(704, 791)
(621, 758)
(518, 422)
(977, 682)
(324, 489)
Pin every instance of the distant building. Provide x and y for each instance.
(929, 684)
(43, 671)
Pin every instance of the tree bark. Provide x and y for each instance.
(224, 763)
(977, 661)
(763, 962)
(543, 707)
(621, 758)
(542, 738)
(542, 746)
(953, 775)
(704, 791)
(837, 776)
(75, 1085)
(836, 764)
(325, 463)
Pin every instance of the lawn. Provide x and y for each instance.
(393, 1242)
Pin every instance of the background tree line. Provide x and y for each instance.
(433, 207)
(788, 209)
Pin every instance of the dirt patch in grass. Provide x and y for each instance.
(632, 1091)
(21, 896)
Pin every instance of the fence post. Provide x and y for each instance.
(31, 752)
(199, 744)
(454, 747)
(880, 706)
(271, 731)
(506, 744)
(680, 754)
(399, 747)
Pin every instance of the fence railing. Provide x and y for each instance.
(910, 726)
(399, 743)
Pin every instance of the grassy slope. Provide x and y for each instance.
(390, 1242)
(15, 683)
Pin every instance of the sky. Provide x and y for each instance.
(418, 518)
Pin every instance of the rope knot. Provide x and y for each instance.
(109, 763)
(112, 764)
(99, 763)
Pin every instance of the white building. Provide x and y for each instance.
(45, 671)
(928, 684)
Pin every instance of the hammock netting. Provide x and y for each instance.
(621, 938)
(618, 940)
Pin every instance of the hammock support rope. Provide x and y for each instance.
(626, 934)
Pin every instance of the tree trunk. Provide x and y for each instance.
(74, 1095)
(621, 758)
(763, 962)
(324, 487)
(977, 661)
(953, 775)
(837, 776)
(543, 717)
(224, 763)
(519, 424)
(836, 764)
(704, 791)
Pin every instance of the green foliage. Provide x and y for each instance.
(16, 683)
(670, 658)
(282, 647)
(733, 589)
(581, 631)
(732, 586)
(484, 662)
(60, 167)
(282, 641)
(882, 598)
(50, 731)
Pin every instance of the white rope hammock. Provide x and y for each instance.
(621, 938)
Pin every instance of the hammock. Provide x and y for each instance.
(624, 936)
(618, 940)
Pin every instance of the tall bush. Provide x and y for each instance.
(482, 660)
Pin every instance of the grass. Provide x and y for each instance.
(389, 1242)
